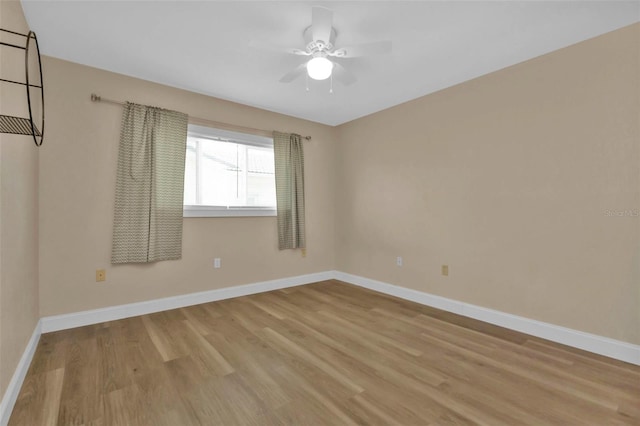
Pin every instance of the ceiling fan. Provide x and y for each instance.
(320, 38)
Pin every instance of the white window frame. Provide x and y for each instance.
(228, 211)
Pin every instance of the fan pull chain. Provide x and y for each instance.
(331, 84)
(307, 82)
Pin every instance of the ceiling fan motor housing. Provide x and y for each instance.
(314, 46)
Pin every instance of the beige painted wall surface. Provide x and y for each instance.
(18, 209)
(508, 179)
(77, 181)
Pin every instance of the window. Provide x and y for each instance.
(228, 174)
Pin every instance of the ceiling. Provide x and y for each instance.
(203, 46)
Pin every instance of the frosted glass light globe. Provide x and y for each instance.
(319, 68)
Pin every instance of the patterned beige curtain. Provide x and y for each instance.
(289, 165)
(147, 225)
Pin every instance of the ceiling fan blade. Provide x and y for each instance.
(270, 47)
(321, 23)
(343, 75)
(294, 73)
(365, 49)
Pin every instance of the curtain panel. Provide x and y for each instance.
(147, 224)
(289, 170)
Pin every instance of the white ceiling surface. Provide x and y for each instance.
(203, 46)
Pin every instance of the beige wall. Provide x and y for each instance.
(77, 181)
(18, 210)
(507, 179)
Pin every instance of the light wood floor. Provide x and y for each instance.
(321, 354)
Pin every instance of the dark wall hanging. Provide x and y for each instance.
(32, 125)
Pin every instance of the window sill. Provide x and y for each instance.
(212, 211)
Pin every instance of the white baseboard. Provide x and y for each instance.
(95, 316)
(11, 394)
(589, 342)
(597, 344)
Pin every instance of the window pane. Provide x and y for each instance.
(218, 172)
(190, 173)
(222, 173)
(261, 186)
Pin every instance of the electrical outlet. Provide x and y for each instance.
(399, 260)
(445, 270)
(101, 275)
(216, 262)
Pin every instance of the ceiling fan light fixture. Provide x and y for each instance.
(319, 68)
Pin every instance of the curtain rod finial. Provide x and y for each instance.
(95, 98)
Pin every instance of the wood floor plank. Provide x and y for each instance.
(299, 352)
(208, 353)
(44, 391)
(154, 393)
(112, 344)
(560, 387)
(81, 401)
(326, 353)
(309, 400)
(547, 367)
(50, 354)
(159, 339)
